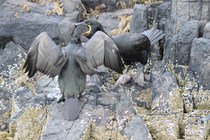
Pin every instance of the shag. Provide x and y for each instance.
(72, 63)
(133, 47)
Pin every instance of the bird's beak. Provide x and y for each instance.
(85, 24)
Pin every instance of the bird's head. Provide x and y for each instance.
(93, 27)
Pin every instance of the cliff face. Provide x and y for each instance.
(172, 104)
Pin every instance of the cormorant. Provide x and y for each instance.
(133, 47)
(72, 63)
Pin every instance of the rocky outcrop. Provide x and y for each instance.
(178, 46)
(19, 19)
(173, 103)
(199, 61)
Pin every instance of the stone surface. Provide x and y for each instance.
(141, 132)
(179, 46)
(139, 19)
(5, 108)
(194, 125)
(162, 14)
(183, 11)
(164, 126)
(174, 103)
(165, 95)
(65, 129)
(10, 55)
(17, 23)
(158, 69)
(200, 60)
(110, 20)
(206, 33)
(110, 5)
(201, 100)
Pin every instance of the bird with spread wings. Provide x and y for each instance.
(72, 63)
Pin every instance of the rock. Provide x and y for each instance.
(5, 108)
(170, 49)
(71, 6)
(158, 69)
(10, 56)
(108, 99)
(124, 110)
(24, 98)
(188, 101)
(110, 20)
(139, 19)
(4, 41)
(144, 98)
(164, 126)
(65, 129)
(183, 11)
(180, 45)
(194, 126)
(33, 120)
(141, 131)
(110, 5)
(162, 14)
(101, 116)
(165, 95)
(196, 131)
(2, 1)
(200, 61)
(29, 24)
(48, 87)
(201, 100)
(187, 33)
(206, 33)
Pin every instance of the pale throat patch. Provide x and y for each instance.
(88, 32)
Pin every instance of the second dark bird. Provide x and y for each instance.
(133, 47)
(72, 63)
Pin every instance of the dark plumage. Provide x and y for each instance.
(72, 63)
(133, 47)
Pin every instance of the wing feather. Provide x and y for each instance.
(100, 50)
(44, 56)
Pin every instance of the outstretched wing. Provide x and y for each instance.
(44, 56)
(99, 50)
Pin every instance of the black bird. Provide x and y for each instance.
(133, 47)
(72, 63)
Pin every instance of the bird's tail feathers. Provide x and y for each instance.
(154, 35)
(71, 109)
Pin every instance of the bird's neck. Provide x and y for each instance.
(75, 40)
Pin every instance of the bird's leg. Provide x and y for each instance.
(61, 99)
(124, 78)
(128, 68)
(139, 79)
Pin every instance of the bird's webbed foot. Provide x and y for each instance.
(61, 99)
(139, 79)
(122, 80)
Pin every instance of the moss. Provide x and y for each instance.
(176, 102)
(196, 131)
(146, 95)
(191, 125)
(131, 3)
(4, 117)
(106, 132)
(144, 100)
(202, 99)
(8, 135)
(164, 126)
(30, 123)
(124, 25)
